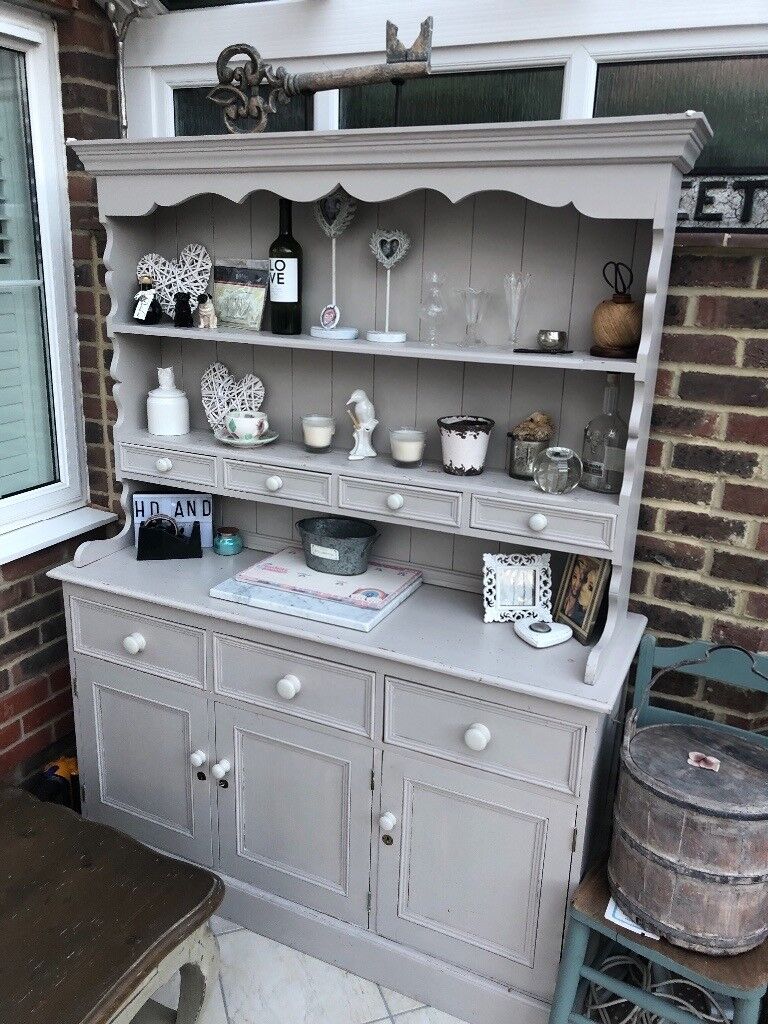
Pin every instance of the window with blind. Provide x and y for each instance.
(27, 440)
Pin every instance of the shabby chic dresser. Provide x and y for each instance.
(419, 807)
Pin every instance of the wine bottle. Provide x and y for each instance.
(605, 444)
(285, 277)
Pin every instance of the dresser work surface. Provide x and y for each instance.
(436, 629)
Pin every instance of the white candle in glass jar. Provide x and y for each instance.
(318, 432)
(407, 446)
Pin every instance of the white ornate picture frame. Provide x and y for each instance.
(517, 587)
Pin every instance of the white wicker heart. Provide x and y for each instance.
(221, 394)
(191, 273)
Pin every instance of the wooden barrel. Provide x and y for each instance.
(689, 855)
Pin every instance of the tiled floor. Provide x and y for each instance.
(262, 982)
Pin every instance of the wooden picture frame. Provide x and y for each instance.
(517, 587)
(580, 594)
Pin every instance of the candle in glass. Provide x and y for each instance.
(407, 447)
(318, 432)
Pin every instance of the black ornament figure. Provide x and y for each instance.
(182, 314)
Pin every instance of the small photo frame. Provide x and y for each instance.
(516, 587)
(240, 292)
(581, 593)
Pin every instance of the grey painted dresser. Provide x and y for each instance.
(413, 804)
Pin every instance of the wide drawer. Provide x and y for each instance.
(329, 693)
(519, 744)
(165, 463)
(568, 526)
(168, 649)
(278, 482)
(420, 504)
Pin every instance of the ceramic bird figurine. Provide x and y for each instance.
(363, 415)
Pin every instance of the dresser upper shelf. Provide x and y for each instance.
(492, 354)
(605, 167)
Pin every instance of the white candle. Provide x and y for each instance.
(407, 446)
(318, 432)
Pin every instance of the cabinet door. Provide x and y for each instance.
(295, 815)
(478, 870)
(136, 734)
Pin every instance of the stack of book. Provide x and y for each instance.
(284, 583)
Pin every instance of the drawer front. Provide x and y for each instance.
(537, 519)
(419, 504)
(327, 693)
(277, 482)
(519, 744)
(164, 463)
(171, 650)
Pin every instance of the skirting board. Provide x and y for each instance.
(370, 956)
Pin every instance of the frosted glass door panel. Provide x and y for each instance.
(27, 450)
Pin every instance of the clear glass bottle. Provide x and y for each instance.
(605, 444)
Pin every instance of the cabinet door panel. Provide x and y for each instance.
(478, 871)
(136, 735)
(295, 818)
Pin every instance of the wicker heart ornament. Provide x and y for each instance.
(191, 273)
(389, 247)
(222, 394)
(334, 212)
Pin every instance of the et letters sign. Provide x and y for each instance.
(724, 202)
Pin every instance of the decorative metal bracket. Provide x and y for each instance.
(120, 19)
(240, 89)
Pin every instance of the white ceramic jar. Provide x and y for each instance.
(167, 407)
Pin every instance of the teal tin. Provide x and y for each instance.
(227, 541)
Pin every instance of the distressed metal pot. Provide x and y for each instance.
(336, 545)
(689, 855)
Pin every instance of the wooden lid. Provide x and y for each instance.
(657, 756)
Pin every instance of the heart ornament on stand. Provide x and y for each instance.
(191, 273)
(389, 246)
(333, 213)
(222, 394)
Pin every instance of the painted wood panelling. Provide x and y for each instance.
(473, 242)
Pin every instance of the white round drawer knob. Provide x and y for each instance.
(220, 769)
(395, 502)
(387, 822)
(477, 736)
(538, 522)
(164, 465)
(288, 687)
(273, 483)
(198, 758)
(134, 643)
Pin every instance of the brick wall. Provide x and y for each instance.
(701, 569)
(35, 700)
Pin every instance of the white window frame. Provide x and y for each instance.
(46, 514)
(180, 49)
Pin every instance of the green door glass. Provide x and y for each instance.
(195, 114)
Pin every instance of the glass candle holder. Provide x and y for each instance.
(407, 447)
(318, 432)
(474, 302)
(227, 541)
(557, 470)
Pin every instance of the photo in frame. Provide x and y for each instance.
(517, 587)
(581, 593)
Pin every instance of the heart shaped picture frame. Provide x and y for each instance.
(191, 273)
(222, 394)
(389, 246)
(335, 211)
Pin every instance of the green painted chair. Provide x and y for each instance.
(745, 977)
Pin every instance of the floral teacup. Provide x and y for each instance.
(247, 426)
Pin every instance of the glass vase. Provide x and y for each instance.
(516, 284)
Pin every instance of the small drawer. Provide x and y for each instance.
(296, 684)
(277, 482)
(418, 504)
(169, 649)
(164, 463)
(567, 526)
(507, 741)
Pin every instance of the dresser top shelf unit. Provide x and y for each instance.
(491, 354)
(436, 629)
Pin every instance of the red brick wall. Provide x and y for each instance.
(35, 700)
(701, 567)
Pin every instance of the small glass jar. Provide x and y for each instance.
(318, 432)
(407, 447)
(523, 455)
(557, 470)
(227, 541)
